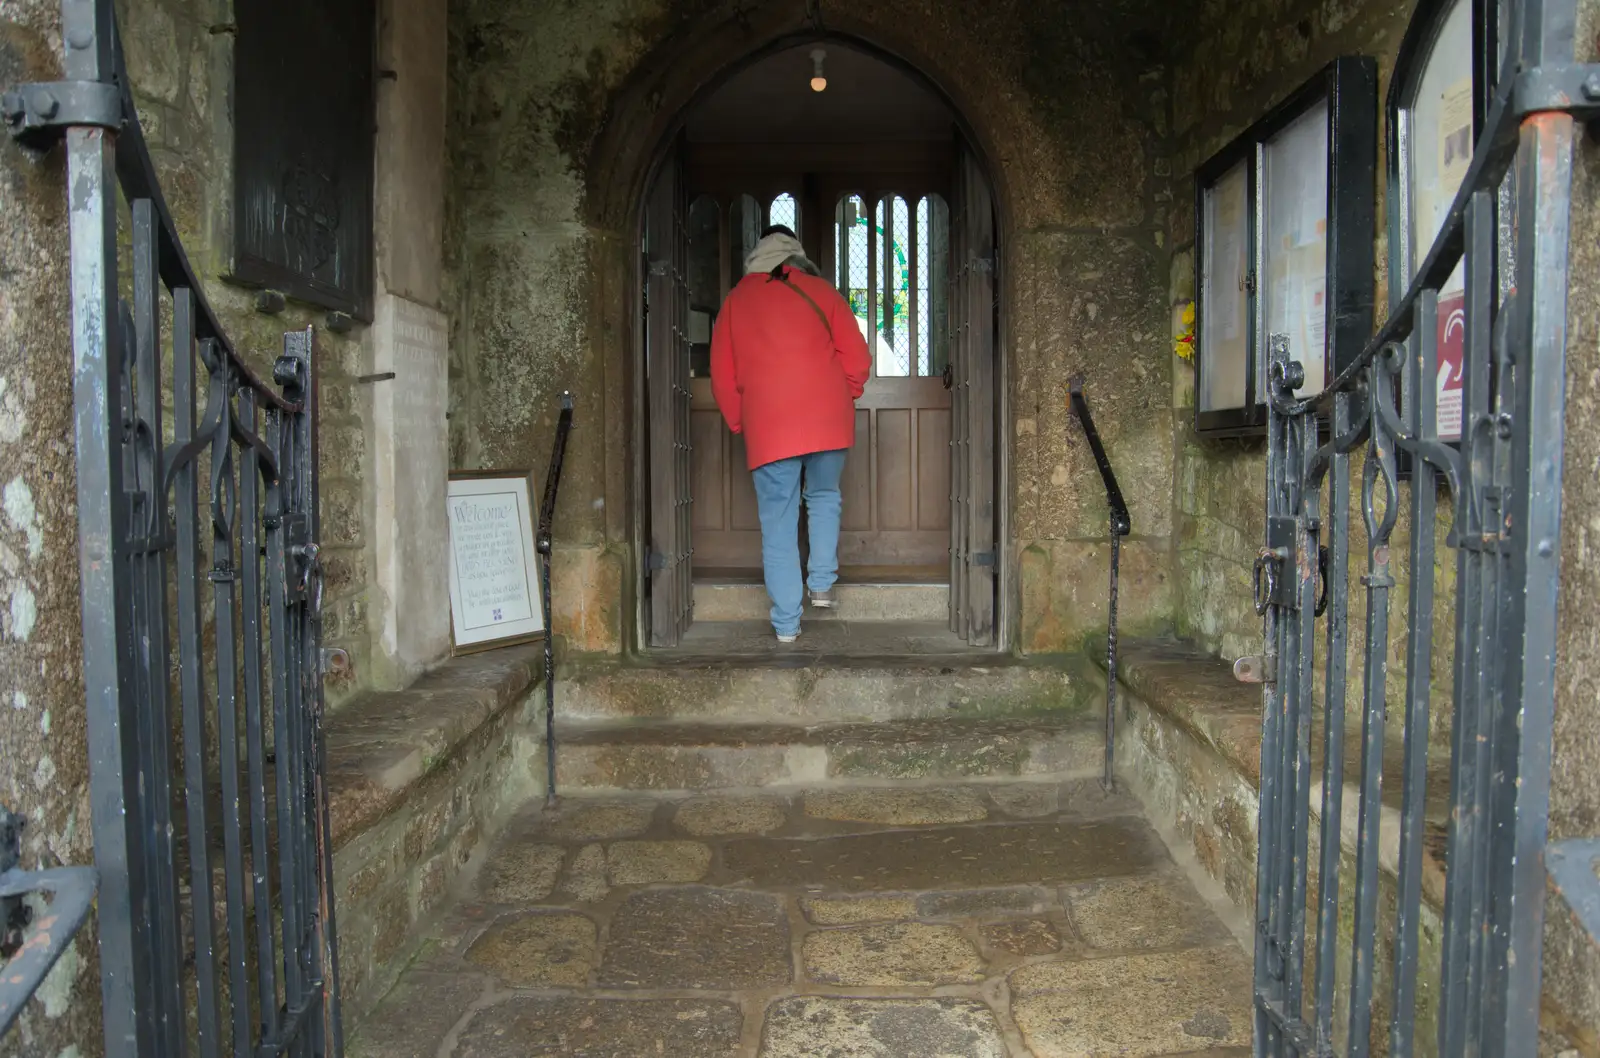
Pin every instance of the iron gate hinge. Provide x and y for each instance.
(1568, 88)
(39, 114)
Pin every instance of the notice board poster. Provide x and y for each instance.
(495, 596)
(1440, 139)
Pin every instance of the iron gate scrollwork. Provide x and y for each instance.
(1503, 490)
(201, 590)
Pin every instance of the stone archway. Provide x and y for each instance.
(559, 124)
(643, 107)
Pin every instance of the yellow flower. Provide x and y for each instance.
(1183, 344)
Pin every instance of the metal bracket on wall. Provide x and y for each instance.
(37, 115)
(29, 954)
(1574, 868)
(14, 914)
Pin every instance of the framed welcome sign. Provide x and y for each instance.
(494, 578)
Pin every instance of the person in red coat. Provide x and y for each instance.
(788, 362)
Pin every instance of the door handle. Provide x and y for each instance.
(949, 378)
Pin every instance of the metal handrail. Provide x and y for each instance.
(1121, 526)
(544, 543)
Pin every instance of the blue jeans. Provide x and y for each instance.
(778, 493)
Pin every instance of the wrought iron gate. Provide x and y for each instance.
(1504, 487)
(201, 627)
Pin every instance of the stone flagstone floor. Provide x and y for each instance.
(1029, 919)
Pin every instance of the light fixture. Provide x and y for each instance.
(819, 83)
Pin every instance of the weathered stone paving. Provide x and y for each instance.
(1023, 920)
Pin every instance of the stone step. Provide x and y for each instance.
(662, 756)
(857, 602)
(807, 692)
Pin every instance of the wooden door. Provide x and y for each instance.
(973, 327)
(667, 368)
(891, 260)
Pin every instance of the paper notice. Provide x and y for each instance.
(1227, 285)
(490, 567)
(1455, 137)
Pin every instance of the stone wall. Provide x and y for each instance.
(554, 123)
(1572, 963)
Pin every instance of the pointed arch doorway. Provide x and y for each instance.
(895, 207)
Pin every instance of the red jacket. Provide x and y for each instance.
(777, 375)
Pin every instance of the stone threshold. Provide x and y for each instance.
(946, 663)
(384, 743)
(675, 755)
(1198, 693)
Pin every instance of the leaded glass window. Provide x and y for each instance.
(785, 211)
(890, 264)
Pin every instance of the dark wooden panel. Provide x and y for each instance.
(856, 484)
(668, 406)
(933, 468)
(894, 453)
(742, 486)
(303, 114)
(710, 470)
(982, 545)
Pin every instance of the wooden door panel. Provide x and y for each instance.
(742, 487)
(893, 453)
(855, 486)
(710, 471)
(933, 469)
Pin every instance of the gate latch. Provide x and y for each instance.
(1274, 584)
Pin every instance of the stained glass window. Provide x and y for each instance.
(890, 264)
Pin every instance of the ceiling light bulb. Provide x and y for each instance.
(819, 83)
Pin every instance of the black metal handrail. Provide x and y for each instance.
(1121, 526)
(30, 946)
(547, 517)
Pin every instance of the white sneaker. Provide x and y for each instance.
(789, 638)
